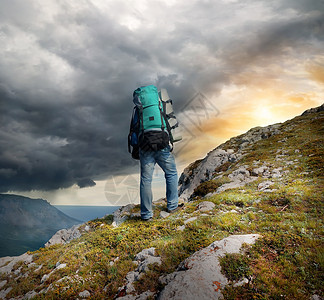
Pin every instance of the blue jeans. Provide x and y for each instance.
(165, 160)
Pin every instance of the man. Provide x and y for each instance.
(154, 148)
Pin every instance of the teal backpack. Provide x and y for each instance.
(150, 124)
(150, 108)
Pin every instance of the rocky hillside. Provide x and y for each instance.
(196, 176)
(251, 228)
(26, 224)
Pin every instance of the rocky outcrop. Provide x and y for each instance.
(200, 276)
(232, 151)
(142, 260)
(218, 159)
(205, 206)
(256, 134)
(122, 214)
(205, 169)
(313, 110)
(192, 176)
(197, 277)
(7, 263)
(64, 236)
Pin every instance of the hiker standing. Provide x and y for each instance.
(150, 138)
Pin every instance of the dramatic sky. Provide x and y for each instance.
(68, 69)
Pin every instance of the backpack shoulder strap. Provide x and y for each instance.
(133, 127)
(162, 111)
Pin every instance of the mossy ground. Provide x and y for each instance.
(286, 263)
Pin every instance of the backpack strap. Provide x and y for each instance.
(161, 114)
(166, 123)
(132, 128)
(140, 112)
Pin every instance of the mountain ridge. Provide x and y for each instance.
(260, 187)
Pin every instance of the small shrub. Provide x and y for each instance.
(208, 187)
(235, 266)
(222, 168)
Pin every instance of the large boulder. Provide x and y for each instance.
(199, 276)
(195, 174)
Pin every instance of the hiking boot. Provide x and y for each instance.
(148, 220)
(180, 206)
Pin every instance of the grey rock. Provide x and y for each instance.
(30, 295)
(242, 282)
(276, 173)
(191, 219)
(7, 263)
(143, 259)
(265, 185)
(205, 206)
(257, 134)
(135, 215)
(199, 276)
(239, 178)
(240, 174)
(145, 253)
(122, 214)
(84, 294)
(166, 279)
(143, 296)
(259, 171)
(164, 214)
(191, 178)
(181, 228)
(64, 236)
(4, 293)
(45, 277)
(17, 272)
(143, 266)
(237, 183)
(60, 266)
(3, 283)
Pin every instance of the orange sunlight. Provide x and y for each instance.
(238, 117)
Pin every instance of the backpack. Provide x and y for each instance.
(149, 121)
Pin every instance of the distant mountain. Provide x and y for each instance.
(27, 224)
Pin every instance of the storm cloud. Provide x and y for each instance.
(68, 70)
